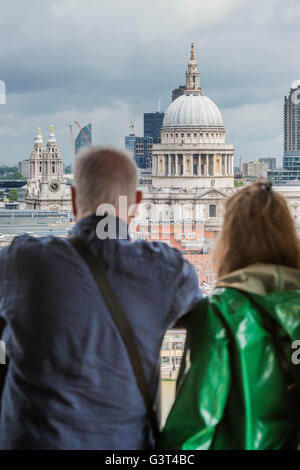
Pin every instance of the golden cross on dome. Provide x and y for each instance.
(192, 52)
(52, 129)
(39, 131)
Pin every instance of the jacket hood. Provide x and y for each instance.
(262, 279)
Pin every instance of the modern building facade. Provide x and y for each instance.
(80, 141)
(152, 125)
(178, 92)
(46, 187)
(291, 157)
(130, 141)
(24, 168)
(292, 121)
(143, 152)
(255, 169)
(271, 162)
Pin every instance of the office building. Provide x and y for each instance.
(152, 125)
(24, 168)
(143, 152)
(271, 162)
(178, 92)
(291, 157)
(80, 141)
(130, 141)
(255, 169)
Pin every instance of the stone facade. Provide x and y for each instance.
(47, 187)
(192, 166)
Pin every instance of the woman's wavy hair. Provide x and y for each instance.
(258, 228)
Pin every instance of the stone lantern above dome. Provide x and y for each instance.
(192, 152)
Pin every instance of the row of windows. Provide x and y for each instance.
(50, 149)
(217, 134)
(166, 360)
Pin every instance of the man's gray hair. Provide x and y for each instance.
(102, 175)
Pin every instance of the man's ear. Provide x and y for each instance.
(74, 206)
(139, 197)
(134, 207)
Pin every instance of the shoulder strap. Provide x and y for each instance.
(122, 323)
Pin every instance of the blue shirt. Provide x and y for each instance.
(70, 384)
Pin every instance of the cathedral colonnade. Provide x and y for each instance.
(191, 164)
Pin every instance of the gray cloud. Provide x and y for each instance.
(66, 59)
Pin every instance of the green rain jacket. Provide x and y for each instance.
(232, 391)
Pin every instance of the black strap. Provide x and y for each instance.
(121, 322)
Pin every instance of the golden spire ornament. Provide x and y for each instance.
(192, 52)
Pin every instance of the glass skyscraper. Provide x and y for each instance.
(130, 141)
(80, 141)
(291, 156)
(152, 125)
(292, 122)
(178, 92)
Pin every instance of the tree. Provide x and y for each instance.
(13, 195)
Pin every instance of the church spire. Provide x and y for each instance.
(192, 86)
(192, 52)
(38, 139)
(52, 137)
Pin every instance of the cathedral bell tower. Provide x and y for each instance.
(53, 161)
(47, 187)
(36, 156)
(192, 85)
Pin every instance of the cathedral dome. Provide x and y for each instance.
(193, 110)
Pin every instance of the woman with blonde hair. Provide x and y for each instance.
(239, 384)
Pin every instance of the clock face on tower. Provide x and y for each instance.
(54, 186)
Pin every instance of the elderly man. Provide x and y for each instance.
(70, 382)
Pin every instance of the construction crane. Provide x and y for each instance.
(132, 123)
(73, 145)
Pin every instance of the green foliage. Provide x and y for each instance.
(13, 195)
(10, 173)
(238, 184)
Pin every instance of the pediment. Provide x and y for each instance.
(212, 194)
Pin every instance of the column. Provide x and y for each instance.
(214, 164)
(207, 165)
(160, 165)
(225, 165)
(169, 164)
(176, 164)
(184, 164)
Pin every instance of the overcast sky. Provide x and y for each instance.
(66, 60)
